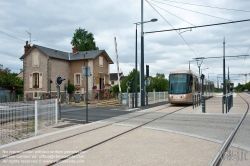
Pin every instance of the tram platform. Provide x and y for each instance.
(214, 105)
(150, 145)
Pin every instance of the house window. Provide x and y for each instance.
(36, 80)
(35, 60)
(77, 79)
(100, 61)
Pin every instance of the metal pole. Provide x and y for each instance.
(189, 65)
(86, 94)
(228, 87)
(59, 104)
(136, 66)
(67, 99)
(142, 59)
(203, 97)
(224, 79)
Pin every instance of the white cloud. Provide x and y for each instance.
(53, 23)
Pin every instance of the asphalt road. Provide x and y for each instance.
(78, 113)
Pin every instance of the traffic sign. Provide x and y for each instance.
(84, 72)
(147, 82)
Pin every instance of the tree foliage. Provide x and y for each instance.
(71, 87)
(242, 87)
(159, 83)
(84, 40)
(7, 78)
(128, 79)
(115, 89)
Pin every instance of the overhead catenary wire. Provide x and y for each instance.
(173, 14)
(200, 26)
(209, 49)
(172, 27)
(235, 48)
(222, 8)
(192, 11)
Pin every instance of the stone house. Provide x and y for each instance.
(42, 65)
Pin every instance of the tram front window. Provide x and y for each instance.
(179, 83)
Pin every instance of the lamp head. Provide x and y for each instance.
(153, 20)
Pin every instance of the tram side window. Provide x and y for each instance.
(196, 84)
(190, 84)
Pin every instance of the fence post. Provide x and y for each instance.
(36, 119)
(56, 110)
(129, 99)
(154, 97)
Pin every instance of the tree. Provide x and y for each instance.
(84, 40)
(7, 78)
(159, 83)
(129, 78)
(71, 87)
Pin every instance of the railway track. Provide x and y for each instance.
(109, 139)
(97, 128)
(218, 159)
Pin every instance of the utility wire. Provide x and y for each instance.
(235, 48)
(209, 49)
(173, 14)
(172, 27)
(237, 10)
(11, 35)
(193, 11)
(244, 60)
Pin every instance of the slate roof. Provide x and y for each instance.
(69, 56)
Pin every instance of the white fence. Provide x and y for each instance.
(153, 97)
(23, 120)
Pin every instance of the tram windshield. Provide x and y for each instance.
(180, 83)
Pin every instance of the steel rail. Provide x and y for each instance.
(70, 136)
(109, 139)
(218, 159)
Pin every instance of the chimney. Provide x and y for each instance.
(26, 47)
(74, 49)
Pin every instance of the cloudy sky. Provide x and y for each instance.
(52, 24)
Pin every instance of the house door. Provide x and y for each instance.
(101, 83)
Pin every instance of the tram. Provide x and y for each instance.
(184, 84)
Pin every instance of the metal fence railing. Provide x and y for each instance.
(23, 120)
(153, 97)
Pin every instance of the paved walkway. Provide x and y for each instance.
(142, 146)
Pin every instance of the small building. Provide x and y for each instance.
(113, 78)
(42, 65)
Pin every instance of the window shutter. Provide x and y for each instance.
(100, 61)
(31, 81)
(35, 60)
(40, 80)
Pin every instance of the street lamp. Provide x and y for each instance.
(142, 62)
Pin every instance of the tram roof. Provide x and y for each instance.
(183, 72)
